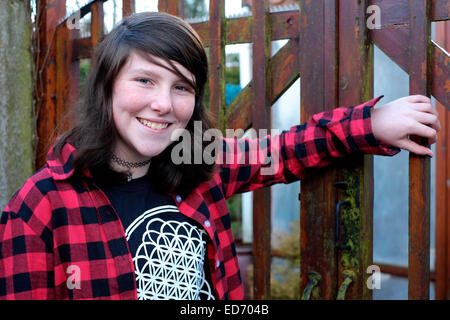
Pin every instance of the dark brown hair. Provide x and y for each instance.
(94, 133)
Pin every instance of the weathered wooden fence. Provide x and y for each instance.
(331, 47)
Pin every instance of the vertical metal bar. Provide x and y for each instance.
(318, 61)
(128, 7)
(419, 166)
(442, 287)
(217, 60)
(356, 86)
(52, 12)
(261, 119)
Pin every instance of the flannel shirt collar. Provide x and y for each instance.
(61, 168)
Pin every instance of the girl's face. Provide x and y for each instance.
(149, 103)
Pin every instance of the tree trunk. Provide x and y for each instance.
(16, 103)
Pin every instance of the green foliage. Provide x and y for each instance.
(235, 207)
(285, 277)
(194, 9)
(85, 67)
(285, 269)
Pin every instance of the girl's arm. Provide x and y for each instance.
(26, 256)
(330, 135)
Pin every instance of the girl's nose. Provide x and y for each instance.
(161, 102)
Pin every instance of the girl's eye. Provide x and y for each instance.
(181, 88)
(144, 81)
(184, 88)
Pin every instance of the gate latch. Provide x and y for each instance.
(314, 278)
(349, 276)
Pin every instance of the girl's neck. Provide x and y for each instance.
(134, 169)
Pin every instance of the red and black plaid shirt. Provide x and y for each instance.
(55, 230)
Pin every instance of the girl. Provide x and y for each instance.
(111, 216)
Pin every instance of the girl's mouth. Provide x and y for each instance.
(154, 125)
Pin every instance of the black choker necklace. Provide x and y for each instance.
(129, 165)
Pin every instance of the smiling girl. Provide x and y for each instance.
(110, 216)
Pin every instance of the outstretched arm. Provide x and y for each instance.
(394, 122)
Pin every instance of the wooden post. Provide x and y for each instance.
(261, 119)
(318, 72)
(356, 86)
(442, 287)
(217, 60)
(128, 7)
(175, 7)
(419, 166)
(52, 12)
(66, 77)
(97, 23)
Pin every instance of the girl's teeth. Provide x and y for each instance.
(154, 125)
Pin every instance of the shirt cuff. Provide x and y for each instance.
(362, 133)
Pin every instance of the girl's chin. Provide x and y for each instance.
(150, 153)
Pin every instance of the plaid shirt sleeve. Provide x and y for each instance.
(26, 256)
(249, 164)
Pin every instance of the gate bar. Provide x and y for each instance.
(419, 166)
(175, 7)
(217, 59)
(128, 7)
(356, 86)
(97, 23)
(442, 188)
(261, 119)
(318, 67)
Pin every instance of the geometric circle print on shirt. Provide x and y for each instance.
(169, 261)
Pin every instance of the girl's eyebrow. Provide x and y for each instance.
(155, 74)
(145, 71)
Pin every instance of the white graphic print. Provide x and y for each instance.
(169, 263)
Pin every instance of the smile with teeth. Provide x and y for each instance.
(154, 125)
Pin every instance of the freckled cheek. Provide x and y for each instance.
(184, 110)
(127, 100)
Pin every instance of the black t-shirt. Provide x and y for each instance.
(168, 248)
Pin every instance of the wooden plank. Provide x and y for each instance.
(84, 10)
(217, 60)
(419, 166)
(82, 48)
(397, 12)
(175, 7)
(67, 78)
(356, 86)
(284, 71)
(54, 11)
(440, 10)
(395, 44)
(128, 7)
(261, 119)
(97, 23)
(285, 25)
(318, 67)
(399, 271)
(440, 75)
(442, 265)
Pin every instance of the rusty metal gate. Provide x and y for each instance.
(330, 45)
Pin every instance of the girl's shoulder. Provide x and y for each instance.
(30, 195)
